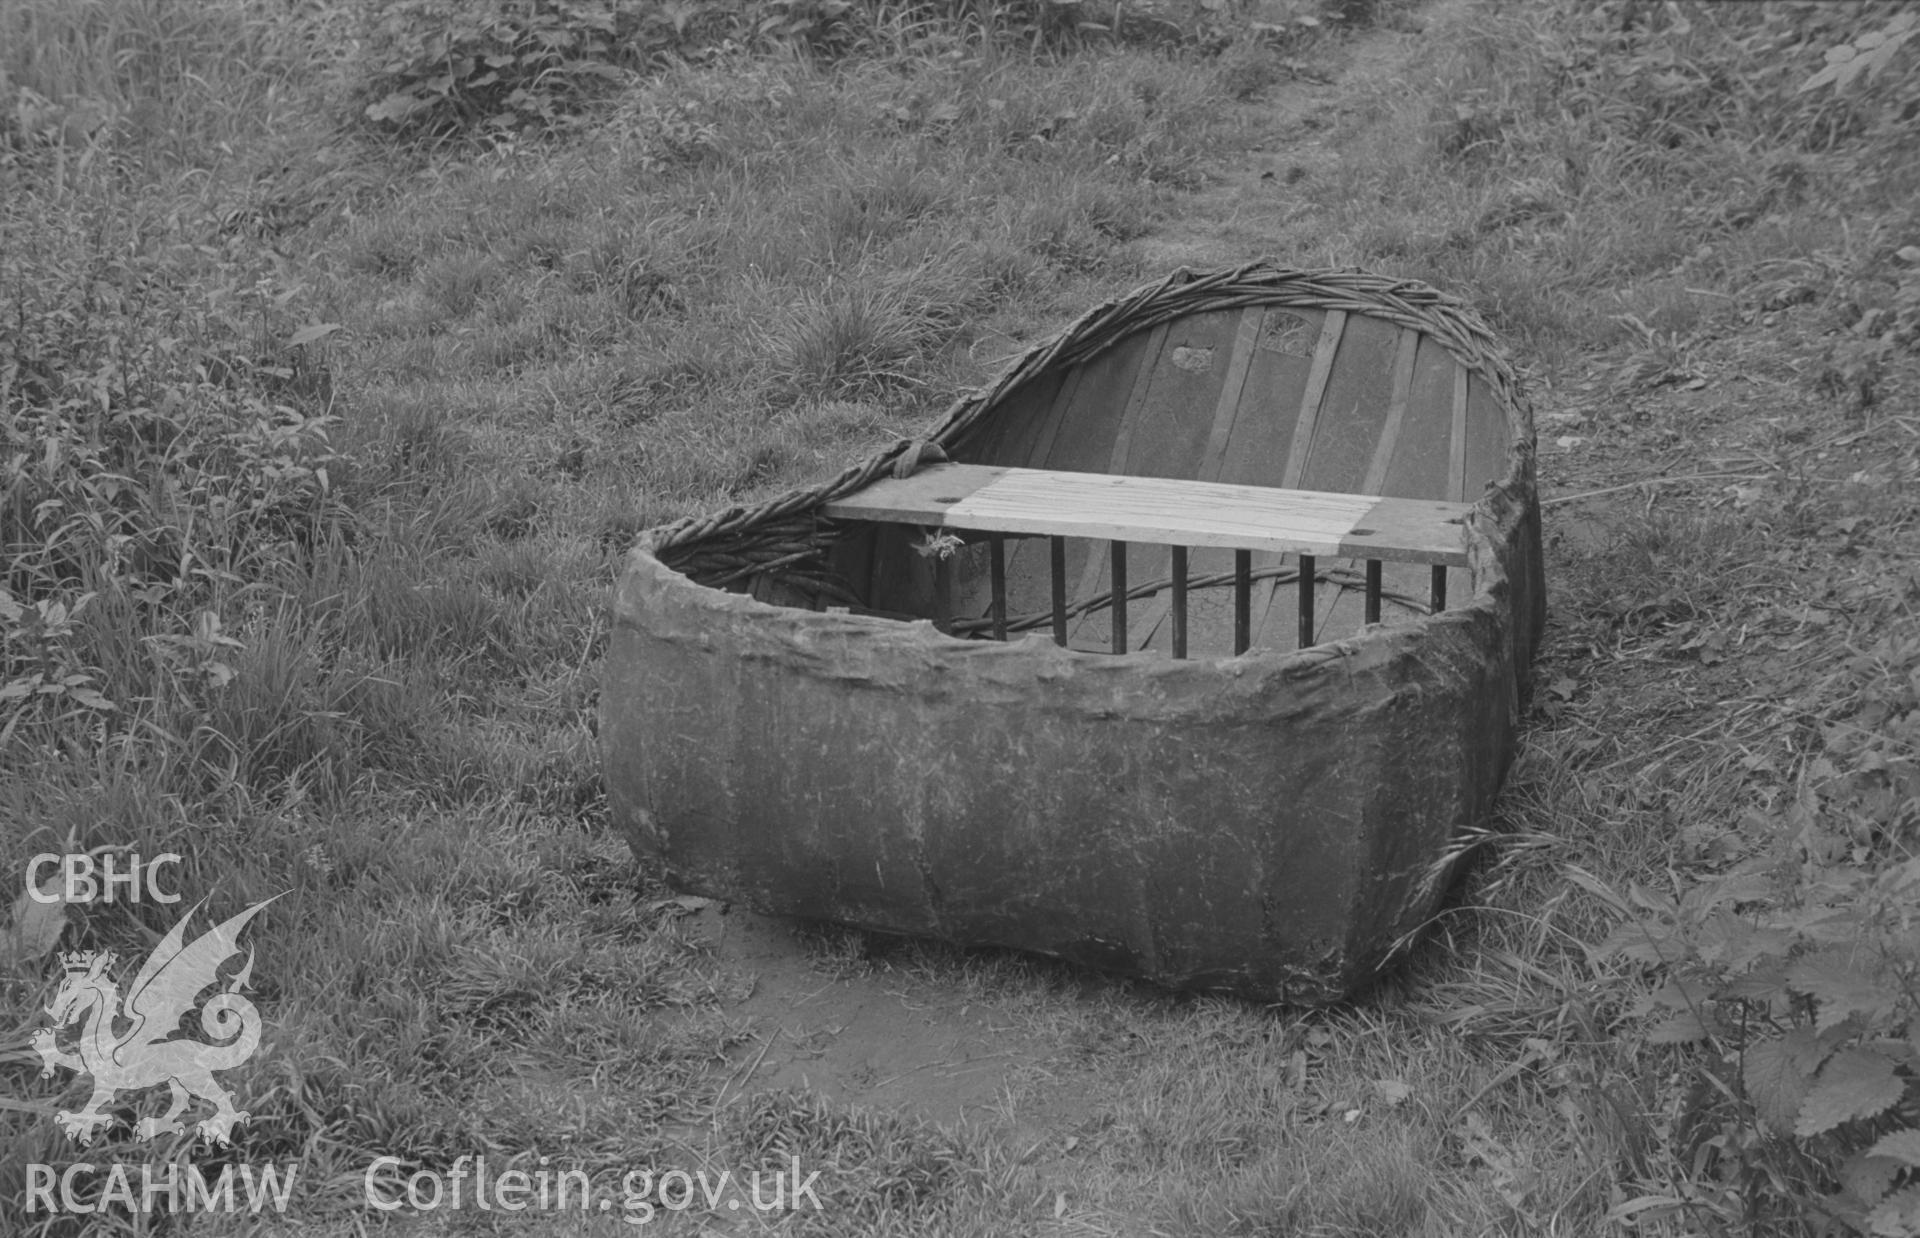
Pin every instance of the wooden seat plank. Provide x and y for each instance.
(1165, 511)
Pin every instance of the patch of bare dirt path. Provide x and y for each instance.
(1250, 207)
(831, 1013)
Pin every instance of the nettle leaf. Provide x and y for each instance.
(1644, 941)
(1765, 983)
(1855, 1083)
(1682, 1029)
(1867, 1177)
(1725, 940)
(1896, 880)
(1730, 890)
(1648, 900)
(1896, 1216)
(395, 107)
(1902, 1146)
(1675, 994)
(311, 332)
(1827, 925)
(1775, 1080)
(1841, 986)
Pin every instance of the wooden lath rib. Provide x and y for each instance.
(1406, 351)
(1409, 347)
(1226, 410)
(1323, 353)
(1226, 416)
(1057, 413)
(1300, 451)
(1123, 438)
(1051, 418)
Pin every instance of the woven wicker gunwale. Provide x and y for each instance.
(1269, 824)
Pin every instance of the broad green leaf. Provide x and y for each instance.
(311, 332)
(1643, 942)
(1868, 1177)
(395, 107)
(1841, 986)
(1765, 983)
(1855, 1083)
(1681, 1029)
(1896, 1216)
(1775, 1082)
(1740, 888)
(1902, 1146)
(1676, 994)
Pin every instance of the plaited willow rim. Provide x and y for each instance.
(783, 532)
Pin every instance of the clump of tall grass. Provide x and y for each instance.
(1565, 150)
(147, 78)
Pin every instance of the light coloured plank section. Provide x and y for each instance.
(1226, 410)
(1323, 354)
(1056, 414)
(1396, 412)
(1325, 349)
(1096, 566)
(1137, 398)
(1165, 511)
(1226, 413)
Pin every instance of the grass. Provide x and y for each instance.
(320, 450)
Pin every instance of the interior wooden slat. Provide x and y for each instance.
(1201, 364)
(1072, 439)
(1145, 380)
(1487, 435)
(1027, 424)
(1257, 448)
(1353, 411)
(1408, 349)
(1300, 452)
(1323, 354)
(1226, 410)
(1324, 396)
(1161, 459)
(1421, 457)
